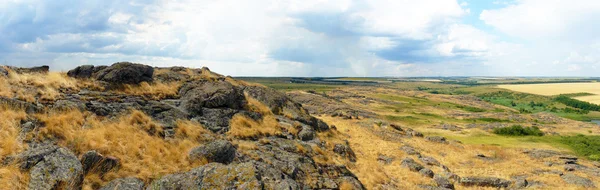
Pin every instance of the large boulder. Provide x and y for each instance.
(52, 167)
(211, 94)
(83, 71)
(221, 151)
(129, 183)
(125, 73)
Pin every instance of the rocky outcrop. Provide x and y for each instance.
(219, 176)
(30, 70)
(411, 165)
(578, 180)
(221, 151)
(125, 73)
(443, 182)
(201, 94)
(281, 104)
(52, 167)
(129, 183)
(3, 71)
(485, 182)
(345, 151)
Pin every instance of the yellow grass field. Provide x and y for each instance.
(560, 88)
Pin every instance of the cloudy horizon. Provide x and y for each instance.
(310, 37)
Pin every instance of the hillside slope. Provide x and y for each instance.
(131, 126)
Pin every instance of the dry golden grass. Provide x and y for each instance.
(460, 158)
(155, 90)
(134, 139)
(9, 131)
(40, 86)
(243, 127)
(12, 178)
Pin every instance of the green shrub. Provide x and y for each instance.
(588, 146)
(517, 130)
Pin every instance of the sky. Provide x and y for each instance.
(363, 38)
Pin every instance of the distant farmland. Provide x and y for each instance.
(552, 89)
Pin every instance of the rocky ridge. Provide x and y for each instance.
(285, 160)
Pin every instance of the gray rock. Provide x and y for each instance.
(577, 180)
(570, 167)
(212, 176)
(429, 160)
(128, 183)
(38, 69)
(83, 71)
(344, 150)
(520, 183)
(307, 134)
(211, 94)
(430, 187)
(443, 182)
(485, 182)
(540, 154)
(94, 162)
(409, 150)
(385, 159)
(59, 169)
(216, 119)
(3, 71)
(125, 73)
(412, 133)
(221, 151)
(28, 107)
(67, 105)
(280, 103)
(436, 139)
(411, 164)
(426, 172)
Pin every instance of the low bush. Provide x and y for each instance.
(517, 130)
(588, 146)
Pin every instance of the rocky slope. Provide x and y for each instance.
(131, 126)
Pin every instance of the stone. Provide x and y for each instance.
(307, 134)
(210, 94)
(52, 167)
(212, 176)
(577, 180)
(385, 159)
(429, 160)
(221, 151)
(125, 73)
(426, 172)
(83, 71)
(409, 150)
(443, 182)
(485, 182)
(436, 139)
(3, 71)
(31, 70)
(344, 150)
(411, 165)
(128, 183)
